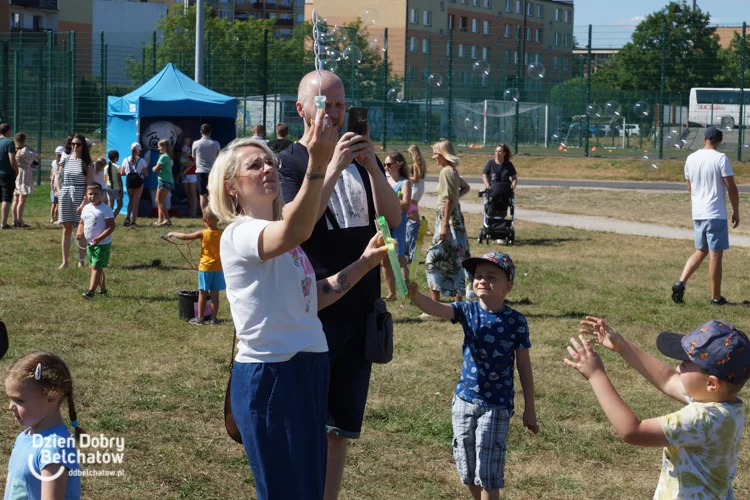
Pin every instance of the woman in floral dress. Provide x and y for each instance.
(450, 245)
(25, 180)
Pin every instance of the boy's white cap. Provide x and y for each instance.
(136, 146)
(59, 150)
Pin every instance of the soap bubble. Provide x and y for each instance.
(641, 108)
(370, 17)
(352, 55)
(556, 140)
(649, 162)
(340, 34)
(612, 108)
(331, 53)
(594, 110)
(395, 95)
(329, 60)
(536, 71)
(435, 80)
(379, 43)
(512, 95)
(481, 67)
(725, 122)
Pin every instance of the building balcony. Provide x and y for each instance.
(284, 22)
(257, 5)
(36, 4)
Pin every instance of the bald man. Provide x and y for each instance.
(355, 192)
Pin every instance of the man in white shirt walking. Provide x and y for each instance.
(710, 177)
(205, 150)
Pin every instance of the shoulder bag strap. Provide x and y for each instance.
(234, 342)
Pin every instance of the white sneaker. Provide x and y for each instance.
(499, 242)
(425, 317)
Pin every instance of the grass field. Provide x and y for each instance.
(146, 376)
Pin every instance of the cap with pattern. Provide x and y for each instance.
(717, 347)
(502, 260)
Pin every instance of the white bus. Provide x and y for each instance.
(718, 107)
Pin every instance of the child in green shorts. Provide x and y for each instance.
(97, 225)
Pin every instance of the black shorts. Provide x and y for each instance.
(7, 186)
(202, 183)
(350, 377)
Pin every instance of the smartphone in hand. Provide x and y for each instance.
(357, 121)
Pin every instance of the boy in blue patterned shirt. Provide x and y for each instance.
(495, 336)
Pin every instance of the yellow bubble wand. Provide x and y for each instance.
(390, 243)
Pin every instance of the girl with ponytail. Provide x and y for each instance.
(44, 455)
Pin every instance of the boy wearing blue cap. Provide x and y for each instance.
(494, 337)
(701, 441)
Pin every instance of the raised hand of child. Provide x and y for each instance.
(605, 335)
(529, 421)
(585, 359)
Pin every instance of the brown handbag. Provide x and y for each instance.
(229, 422)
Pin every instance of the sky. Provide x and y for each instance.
(613, 20)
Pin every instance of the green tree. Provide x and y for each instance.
(692, 53)
(731, 64)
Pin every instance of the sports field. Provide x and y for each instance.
(143, 375)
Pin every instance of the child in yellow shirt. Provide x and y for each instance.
(210, 272)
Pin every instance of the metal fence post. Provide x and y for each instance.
(265, 74)
(6, 83)
(40, 99)
(153, 53)
(102, 91)
(516, 125)
(385, 88)
(661, 90)
(106, 77)
(741, 132)
(16, 96)
(588, 94)
(72, 82)
(50, 79)
(450, 83)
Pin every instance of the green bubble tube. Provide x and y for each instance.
(392, 257)
(418, 249)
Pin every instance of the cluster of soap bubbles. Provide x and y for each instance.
(328, 33)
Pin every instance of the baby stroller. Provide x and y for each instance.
(495, 226)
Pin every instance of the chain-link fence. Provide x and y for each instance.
(479, 86)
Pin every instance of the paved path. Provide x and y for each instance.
(593, 223)
(583, 184)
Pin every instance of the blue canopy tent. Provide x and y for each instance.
(173, 97)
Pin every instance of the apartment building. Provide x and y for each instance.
(287, 13)
(418, 34)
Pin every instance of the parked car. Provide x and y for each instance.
(594, 131)
(630, 129)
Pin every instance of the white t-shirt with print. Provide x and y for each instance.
(94, 221)
(706, 169)
(704, 446)
(274, 303)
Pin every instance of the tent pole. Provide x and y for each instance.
(199, 42)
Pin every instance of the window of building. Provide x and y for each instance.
(539, 58)
(565, 63)
(474, 52)
(461, 50)
(519, 7)
(413, 16)
(557, 39)
(427, 18)
(507, 31)
(463, 23)
(451, 20)
(566, 40)
(442, 5)
(506, 56)
(557, 14)
(539, 36)
(526, 59)
(486, 27)
(441, 61)
(555, 64)
(528, 34)
(518, 32)
(567, 16)
(410, 73)
(486, 53)
(475, 26)
(515, 57)
(462, 79)
(464, 1)
(508, 5)
(540, 11)
(530, 9)
(412, 44)
(487, 4)
(426, 46)
(298, 18)
(38, 23)
(224, 14)
(475, 3)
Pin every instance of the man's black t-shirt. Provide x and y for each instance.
(341, 234)
(279, 145)
(499, 173)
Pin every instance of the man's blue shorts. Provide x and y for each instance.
(712, 234)
(211, 280)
